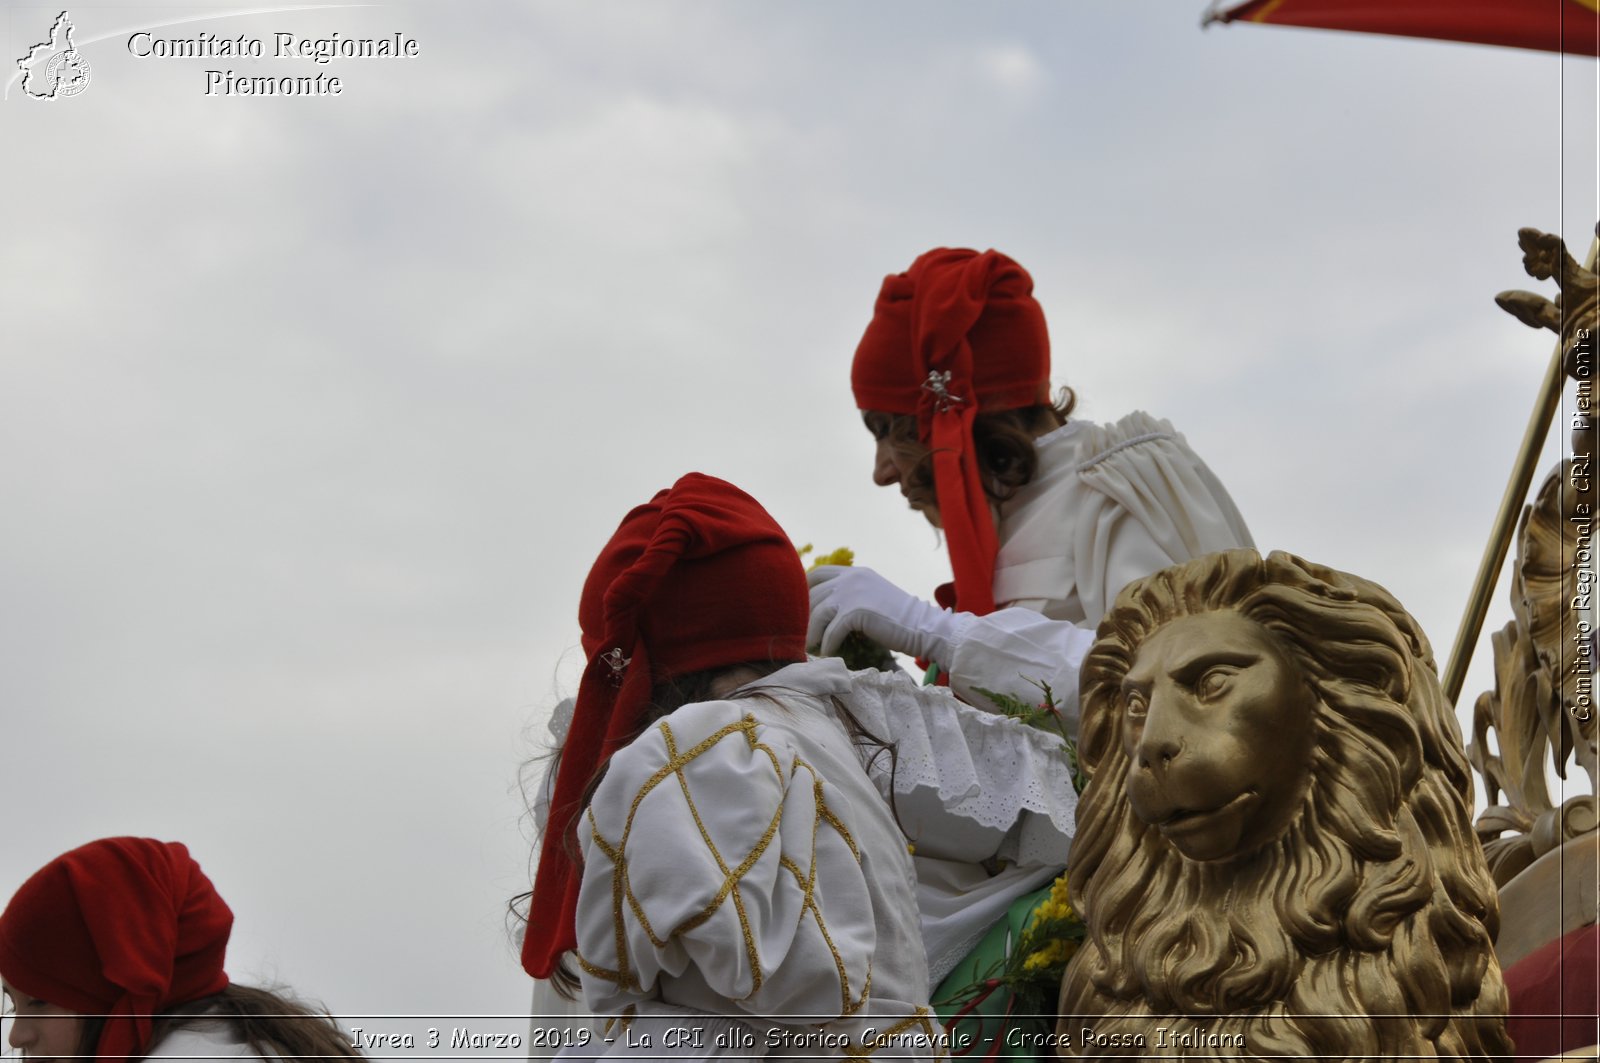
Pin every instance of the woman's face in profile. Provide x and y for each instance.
(40, 1030)
(892, 464)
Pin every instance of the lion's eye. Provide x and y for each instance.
(1134, 704)
(1214, 683)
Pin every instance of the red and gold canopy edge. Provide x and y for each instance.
(1568, 26)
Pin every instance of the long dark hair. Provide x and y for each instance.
(272, 1023)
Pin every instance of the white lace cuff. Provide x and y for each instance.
(967, 784)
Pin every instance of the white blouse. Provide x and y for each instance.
(969, 788)
(1110, 504)
(739, 863)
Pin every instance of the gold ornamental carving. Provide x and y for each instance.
(1538, 714)
(1541, 714)
(1574, 309)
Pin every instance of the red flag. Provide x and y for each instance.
(1570, 26)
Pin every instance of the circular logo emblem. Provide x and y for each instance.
(67, 73)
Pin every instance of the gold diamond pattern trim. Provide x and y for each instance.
(619, 884)
(623, 896)
(731, 877)
(600, 972)
(807, 880)
(833, 821)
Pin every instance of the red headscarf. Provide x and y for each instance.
(699, 577)
(121, 927)
(957, 333)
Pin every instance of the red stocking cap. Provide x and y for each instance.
(957, 333)
(699, 577)
(122, 927)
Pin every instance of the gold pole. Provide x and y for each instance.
(1494, 555)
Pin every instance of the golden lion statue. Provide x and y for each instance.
(1275, 853)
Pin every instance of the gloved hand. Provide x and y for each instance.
(848, 598)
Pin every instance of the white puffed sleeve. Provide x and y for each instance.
(1163, 505)
(718, 869)
(1109, 505)
(1020, 652)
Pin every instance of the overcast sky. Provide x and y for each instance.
(314, 411)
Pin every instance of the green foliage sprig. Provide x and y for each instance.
(1045, 715)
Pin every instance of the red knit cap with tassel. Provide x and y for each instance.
(120, 927)
(699, 577)
(957, 333)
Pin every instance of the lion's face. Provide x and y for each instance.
(1219, 732)
(1275, 845)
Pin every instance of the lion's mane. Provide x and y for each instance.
(1367, 929)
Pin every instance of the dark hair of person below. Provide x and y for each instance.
(1007, 457)
(666, 698)
(272, 1024)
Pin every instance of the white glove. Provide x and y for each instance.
(848, 598)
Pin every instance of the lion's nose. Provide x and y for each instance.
(1159, 743)
(1157, 756)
